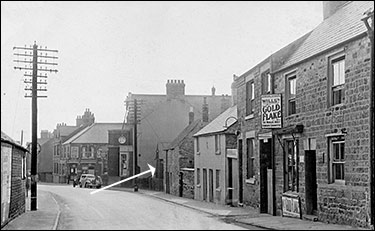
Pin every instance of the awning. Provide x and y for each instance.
(289, 130)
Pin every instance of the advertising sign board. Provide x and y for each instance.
(271, 112)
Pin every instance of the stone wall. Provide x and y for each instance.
(348, 203)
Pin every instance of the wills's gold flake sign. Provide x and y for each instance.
(271, 111)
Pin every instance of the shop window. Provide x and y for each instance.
(291, 166)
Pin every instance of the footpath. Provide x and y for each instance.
(47, 214)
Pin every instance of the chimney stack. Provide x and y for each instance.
(213, 91)
(191, 115)
(175, 89)
(234, 91)
(205, 110)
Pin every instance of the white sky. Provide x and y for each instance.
(108, 49)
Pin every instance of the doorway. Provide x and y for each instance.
(310, 181)
(230, 182)
(211, 185)
(240, 183)
(265, 149)
(204, 184)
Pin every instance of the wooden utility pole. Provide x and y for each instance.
(133, 113)
(31, 60)
(135, 146)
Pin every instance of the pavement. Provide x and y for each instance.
(48, 212)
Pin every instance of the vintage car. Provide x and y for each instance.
(90, 181)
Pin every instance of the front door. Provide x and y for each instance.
(211, 185)
(310, 178)
(240, 183)
(265, 149)
(230, 182)
(204, 184)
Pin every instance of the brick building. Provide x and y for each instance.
(97, 150)
(316, 161)
(161, 117)
(62, 133)
(13, 179)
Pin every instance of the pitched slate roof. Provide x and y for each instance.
(217, 125)
(191, 128)
(95, 133)
(342, 26)
(5, 138)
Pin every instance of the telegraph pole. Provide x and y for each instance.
(135, 146)
(32, 58)
(133, 112)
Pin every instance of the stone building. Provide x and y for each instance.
(161, 117)
(13, 179)
(312, 160)
(179, 174)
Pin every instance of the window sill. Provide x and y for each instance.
(291, 116)
(338, 182)
(197, 153)
(251, 116)
(250, 181)
(218, 190)
(217, 152)
(293, 194)
(198, 186)
(337, 106)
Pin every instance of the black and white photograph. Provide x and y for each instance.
(187, 115)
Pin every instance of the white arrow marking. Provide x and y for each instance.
(152, 170)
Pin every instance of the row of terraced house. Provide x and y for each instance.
(297, 138)
(293, 139)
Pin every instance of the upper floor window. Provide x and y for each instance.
(337, 159)
(250, 97)
(197, 139)
(266, 83)
(217, 144)
(74, 152)
(291, 88)
(337, 79)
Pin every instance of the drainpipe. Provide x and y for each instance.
(369, 14)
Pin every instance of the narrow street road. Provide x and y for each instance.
(110, 209)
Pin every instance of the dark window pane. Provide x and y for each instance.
(292, 107)
(343, 151)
